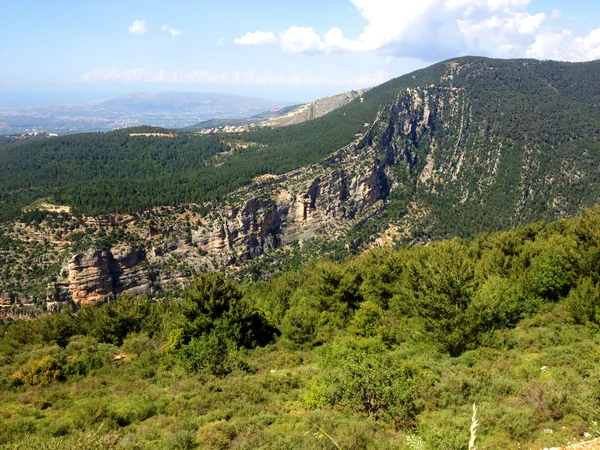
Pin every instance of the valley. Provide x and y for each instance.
(433, 162)
(354, 273)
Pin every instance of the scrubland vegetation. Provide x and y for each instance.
(389, 349)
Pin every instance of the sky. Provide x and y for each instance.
(65, 51)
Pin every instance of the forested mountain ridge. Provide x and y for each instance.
(465, 146)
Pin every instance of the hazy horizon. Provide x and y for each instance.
(66, 52)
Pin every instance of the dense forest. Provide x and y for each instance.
(548, 108)
(389, 349)
(117, 172)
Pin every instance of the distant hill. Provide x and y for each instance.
(256, 119)
(290, 115)
(189, 102)
(165, 109)
(314, 109)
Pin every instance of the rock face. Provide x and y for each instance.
(438, 160)
(89, 278)
(314, 109)
(96, 276)
(326, 199)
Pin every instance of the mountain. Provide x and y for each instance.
(313, 110)
(465, 146)
(256, 119)
(189, 102)
(290, 115)
(316, 338)
(166, 109)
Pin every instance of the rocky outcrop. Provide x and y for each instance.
(5, 302)
(89, 278)
(96, 276)
(314, 109)
(326, 199)
(323, 199)
(126, 271)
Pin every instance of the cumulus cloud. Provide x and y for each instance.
(452, 26)
(301, 40)
(560, 44)
(142, 75)
(138, 27)
(445, 28)
(256, 38)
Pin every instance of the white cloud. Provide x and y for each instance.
(560, 44)
(138, 27)
(446, 28)
(172, 32)
(256, 38)
(301, 40)
(454, 25)
(142, 75)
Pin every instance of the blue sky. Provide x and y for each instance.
(72, 50)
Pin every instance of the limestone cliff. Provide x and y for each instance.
(438, 159)
(314, 109)
(326, 199)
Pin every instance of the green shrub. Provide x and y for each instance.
(216, 435)
(213, 353)
(146, 364)
(551, 272)
(583, 302)
(374, 384)
(367, 319)
(135, 344)
(43, 371)
(299, 326)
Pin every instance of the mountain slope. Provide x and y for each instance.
(256, 119)
(314, 109)
(464, 146)
(290, 115)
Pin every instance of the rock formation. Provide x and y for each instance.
(96, 276)
(314, 109)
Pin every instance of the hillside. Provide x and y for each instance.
(256, 119)
(468, 145)
(389, 350)
(281, 117)
(313, 110)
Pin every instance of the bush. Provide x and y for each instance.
(374, 384)
(89, 358)
(216, 435)
(551, 272)
(583, 302)
(213, 353)
(367, 319)
(43, 371)
(299, 326)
